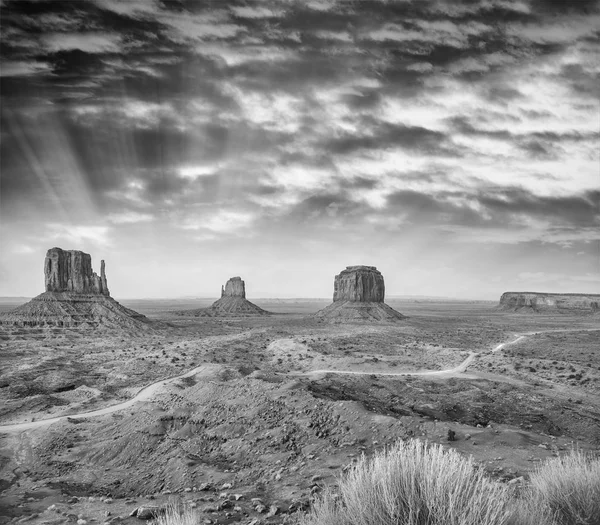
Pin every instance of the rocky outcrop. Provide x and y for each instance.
(548, 302)
(71, 271)
(75, 296)
(235, 287)
(233, 303)
(358, 295)
(359, 283)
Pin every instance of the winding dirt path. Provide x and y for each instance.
(144, 394)
(147, 392)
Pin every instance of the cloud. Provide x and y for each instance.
(193, 172)
(129, 217)
(256, 12)
(467, 122)
(87, 42)
(78, 234)
(220, 222)
(15, 68)
(543, 277)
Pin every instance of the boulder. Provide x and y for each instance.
(147, 512)
(71, 271)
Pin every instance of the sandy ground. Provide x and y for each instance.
(94, 425)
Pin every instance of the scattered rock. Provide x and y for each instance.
(147, 513)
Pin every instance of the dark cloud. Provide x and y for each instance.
(508, 207)
(384, 135)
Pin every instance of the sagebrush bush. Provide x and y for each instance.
(563, 491)
(414, 483)
(177, 514)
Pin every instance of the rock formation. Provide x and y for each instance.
(548, 302)
(71, 271)
(358, 295)
(235, 287)
(232, 303)
(359, 283)
(75, 296)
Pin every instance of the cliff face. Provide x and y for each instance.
(359, 283)
(71, 271)
(534, 301)
(233, 303)
(75, 296)
(358, 294)
(235, 287)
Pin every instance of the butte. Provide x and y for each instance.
(232, 303)
(536, 302)
(75, 296)
(358, 295)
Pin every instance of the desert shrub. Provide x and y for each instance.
(176, 514)
(414, 483)
(563, 491)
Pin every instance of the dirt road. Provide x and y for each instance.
(147, 392)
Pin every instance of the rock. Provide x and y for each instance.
(147, 513)
(359, 283)
(74, 296)
(540, 302)
(235, 287)
(358, 295)
(233, 302)
(273, 510)
(71, 271)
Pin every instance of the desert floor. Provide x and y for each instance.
(214, 413)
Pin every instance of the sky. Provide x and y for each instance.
(452, 144)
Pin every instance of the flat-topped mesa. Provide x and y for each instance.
(71, 271)
(359, 283)
(235, 287)
(358, 294)
(539, 301)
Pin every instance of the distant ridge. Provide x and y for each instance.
(544, 302)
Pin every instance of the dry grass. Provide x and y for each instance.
(418, 484)
(563, 491)
(414, 484)
(177, 514)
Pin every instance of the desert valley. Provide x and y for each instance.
(245, 412)
(302, 262)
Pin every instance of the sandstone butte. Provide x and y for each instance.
(233, 302)
(358, 295)
(548, 302)
(75, 296)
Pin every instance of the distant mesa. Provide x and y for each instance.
(358, 295)
(232, 303)
(536, 302)
(75, 296)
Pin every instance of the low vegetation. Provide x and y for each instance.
(415, 483)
